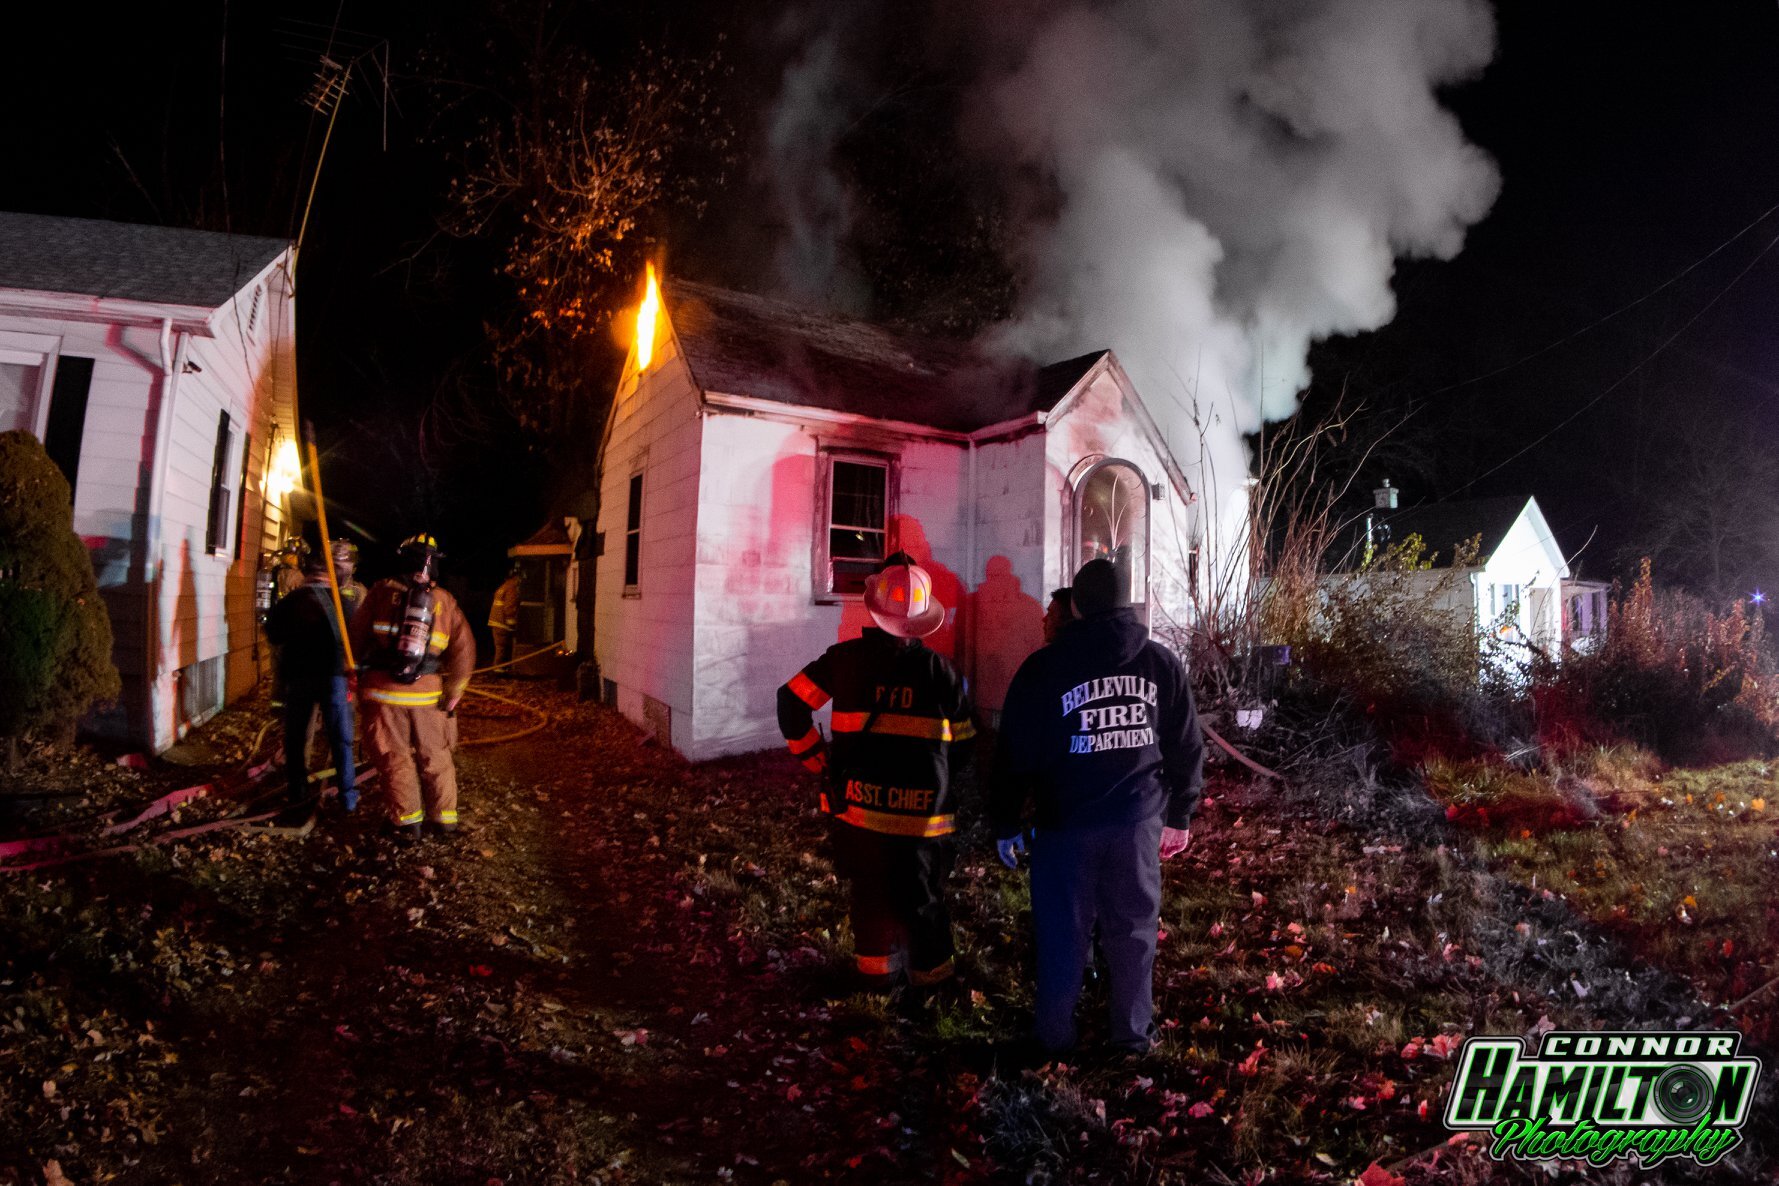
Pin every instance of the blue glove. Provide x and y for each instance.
(1009, 850)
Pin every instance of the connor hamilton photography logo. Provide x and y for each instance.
(1604, 1095)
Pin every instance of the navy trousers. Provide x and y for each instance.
(1110, 876)
(301, 698)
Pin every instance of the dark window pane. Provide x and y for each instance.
(844, 543)
(632, 557)
(67, 415)
(633, 518)
(848, 576)
(859, 495)
(214, 531)
(241, 490)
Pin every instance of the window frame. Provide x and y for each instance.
(1076, 506)
(217, 523)
(41, 351)
(635, 493)
(821, 563)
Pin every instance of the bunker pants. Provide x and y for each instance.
(411, 746)
(897, 902)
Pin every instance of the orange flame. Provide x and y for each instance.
(646, 315)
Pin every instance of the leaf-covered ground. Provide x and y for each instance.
(622, 971)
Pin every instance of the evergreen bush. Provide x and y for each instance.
(55, 648)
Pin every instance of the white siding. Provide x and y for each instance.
(172, 606)
(644, 642)
(1100, 422)
(1011, 577)
(1528, 560)
(758, 615)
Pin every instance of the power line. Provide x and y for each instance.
(1622, 309)
(1622, 379)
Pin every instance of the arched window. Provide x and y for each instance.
(1112, 522)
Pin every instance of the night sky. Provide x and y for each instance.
(1632, 142)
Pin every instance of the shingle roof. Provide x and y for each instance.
(128, 261)
(740, 344)
(1443, 526)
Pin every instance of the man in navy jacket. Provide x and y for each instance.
(1099, 731)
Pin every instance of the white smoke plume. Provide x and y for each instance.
(1232, 180)
(1205, 186)
(817, 96)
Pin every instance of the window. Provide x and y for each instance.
(216, 531)
(27, 369)
(633, 536)
(241, 502)
(855, 536)
(67, 415)
(1112, 523)
(20, 383)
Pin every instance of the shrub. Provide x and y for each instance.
(1672, 674)
(55, 650)
(1398, 637)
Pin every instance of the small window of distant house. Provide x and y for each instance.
(221, 497)
(633, 537)
(855, 536)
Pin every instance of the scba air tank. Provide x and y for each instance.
(415, 635)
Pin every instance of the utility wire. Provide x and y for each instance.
(1622, 309)
(1622, 379)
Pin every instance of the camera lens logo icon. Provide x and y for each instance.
(1683, 1094)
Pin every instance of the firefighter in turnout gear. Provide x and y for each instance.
(503, 618)
(902, 730)
(417, 652)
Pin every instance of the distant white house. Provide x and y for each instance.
(158, 367)
(762, 458)
(1513, 587)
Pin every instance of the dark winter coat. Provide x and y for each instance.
(1099, 728)
(305, 629)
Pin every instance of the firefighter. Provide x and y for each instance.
(1100, 729)
(503, 619)
(417, 652)
(352, 591)
(287, 578)
(902, 728)
(312, 664)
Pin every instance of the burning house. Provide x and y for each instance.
(761, 458)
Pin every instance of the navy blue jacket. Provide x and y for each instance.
(1099, 728)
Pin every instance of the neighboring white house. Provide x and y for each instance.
(158, 367)
(1514, 586)
(762, 458)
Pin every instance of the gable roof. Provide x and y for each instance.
(1444, 526)
(129, 261)
(741, 344)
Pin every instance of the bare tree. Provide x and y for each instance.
(570, 167)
